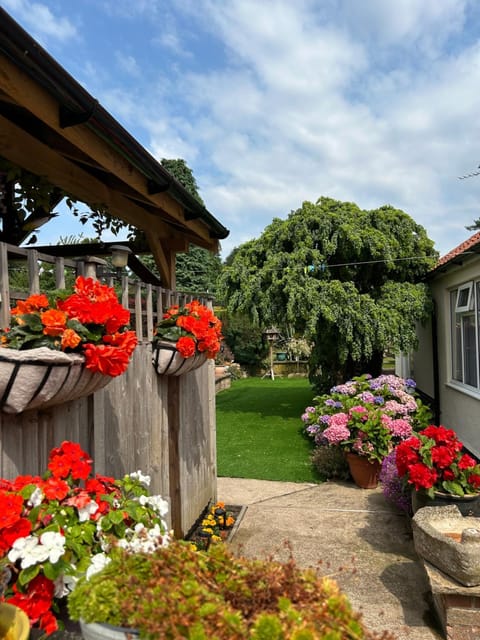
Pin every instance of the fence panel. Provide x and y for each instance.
(128, 425)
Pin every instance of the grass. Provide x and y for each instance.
(259, 430)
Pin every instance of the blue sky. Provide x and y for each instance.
(273, 102)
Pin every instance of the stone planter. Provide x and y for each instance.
(168, 362)
(449, 541)
(42, 378)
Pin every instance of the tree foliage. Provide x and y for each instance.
(346, 278)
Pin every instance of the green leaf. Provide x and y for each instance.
(28, 574)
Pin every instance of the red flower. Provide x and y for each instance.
(55, 489)
(186, 346)
(466, 462)
(421, 476)
(109, 361)
(407, 454)
(11, 507)
(474, 479)
(35, 302)
(19, 529)
(22, 481)
(54, 322)
(126, 341)
(69, 459)
(443, 456)
(36, 602)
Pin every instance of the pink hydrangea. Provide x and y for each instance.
(336, 433)
(400, 428)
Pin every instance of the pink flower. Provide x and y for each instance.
(336, 433)
(400, 428)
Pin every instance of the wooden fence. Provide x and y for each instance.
(162, 425)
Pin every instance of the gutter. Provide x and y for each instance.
(77, 106)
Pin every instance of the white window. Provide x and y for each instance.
(464, 298)
(465, 322)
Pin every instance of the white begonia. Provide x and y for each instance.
(88, 510)
(157, 503)
(97, 563)
(54, 544)
(23, 548)
(33, 550)
(36, 498)
(143, 479)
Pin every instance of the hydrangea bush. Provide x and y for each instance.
(61, 526)
(366, 415)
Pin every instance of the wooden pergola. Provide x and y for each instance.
(51, 126)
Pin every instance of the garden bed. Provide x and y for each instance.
(196, 532)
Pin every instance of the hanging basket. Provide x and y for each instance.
(42, 378)
(168, 361)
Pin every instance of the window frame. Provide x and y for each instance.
(469, 306)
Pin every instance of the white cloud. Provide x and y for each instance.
(273, 103)
(128, 63)
(41, 21)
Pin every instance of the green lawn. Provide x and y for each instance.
(259, 430)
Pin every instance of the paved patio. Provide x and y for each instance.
(350, 533)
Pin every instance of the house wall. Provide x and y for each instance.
(422, 371)
(459, 406)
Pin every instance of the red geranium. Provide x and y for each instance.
(433, 461)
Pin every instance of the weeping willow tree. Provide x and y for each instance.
(347, 279)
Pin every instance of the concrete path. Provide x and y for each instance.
(351, 534)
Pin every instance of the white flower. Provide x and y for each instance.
(97, 563)
(143, 479)
(24, 548)
(53, 544)
(36, 498)
(85, 512)
(157, 503)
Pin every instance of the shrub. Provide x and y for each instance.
(179, 592)
(330, 462)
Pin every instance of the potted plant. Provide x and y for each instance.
(185, 338)
(177, 592)
(63, 348)
(365, 418)
(58, 527)
(435, 467)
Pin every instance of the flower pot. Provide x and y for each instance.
(168, 361)
(468, 505)
(364, 472)
(14, 622)
(97, 631)
(43, 377)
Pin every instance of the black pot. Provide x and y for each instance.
(468, 505)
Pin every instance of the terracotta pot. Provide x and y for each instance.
(468, 505)
(168, 362)
(43, 377)
(364, 472)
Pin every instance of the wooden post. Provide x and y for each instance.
(173, 413)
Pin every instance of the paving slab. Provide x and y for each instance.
(353, 535)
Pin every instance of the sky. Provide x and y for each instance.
(272, 102)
